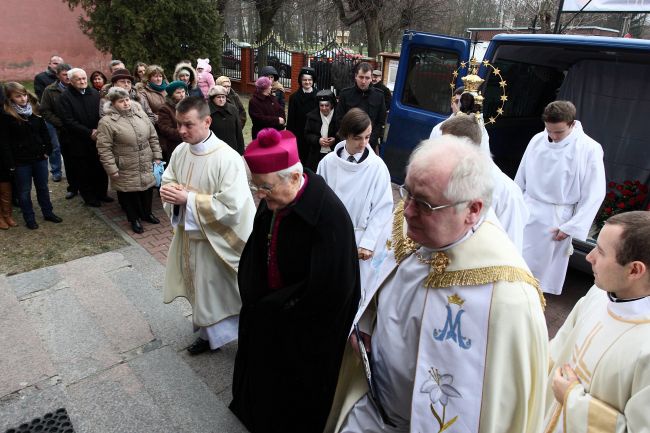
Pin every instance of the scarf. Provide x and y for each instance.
(158, 88)
(24, 111)
(62, 86)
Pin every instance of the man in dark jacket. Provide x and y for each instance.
(377, 83)
(300, 103)
(362, 95)
(299, 285)
(321, 128)
(47, 77)
(78, 109)
(49, 102)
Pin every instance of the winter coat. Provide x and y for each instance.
(265, 112)
(42, 80)
(127, 144)
(234, 99)
(26, 141)
(371, 101)
(193, 88)
(167, 131)
(300, 104)
(49, 97)
(79, 114)
(153, 99)
(313, 125)
(226, 125)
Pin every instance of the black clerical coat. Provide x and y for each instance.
(291, 340)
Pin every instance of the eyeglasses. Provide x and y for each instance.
(266, 189)
(422, 205)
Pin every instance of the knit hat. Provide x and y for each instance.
(171, 87)
(121, 74)
(117, 93)
(271, 151)
(222, 79)
(204, 64)
(263, 83)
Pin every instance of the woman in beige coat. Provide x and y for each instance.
(128, 146)
(152, 92)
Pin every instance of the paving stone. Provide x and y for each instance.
(35, 281)
(75, 342)
(23, 359)
(214, 368)
(21, 408)
(115, 401)
(182, 395)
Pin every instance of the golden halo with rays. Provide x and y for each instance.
(473, 82)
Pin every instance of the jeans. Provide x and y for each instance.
(36, 170)
(55, 156)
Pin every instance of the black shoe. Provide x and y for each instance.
(199, 346)
(151, 219)
(31, 225)
(136, 226)
(70, 194)
(107, 199)
(93, 203)
(52, 218)
(56, 178)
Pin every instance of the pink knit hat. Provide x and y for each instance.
(263, 83)
(271, 151)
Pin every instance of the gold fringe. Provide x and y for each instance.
(491, 274)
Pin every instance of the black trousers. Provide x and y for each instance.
(70, 168)
(136, 204)
(91, 177)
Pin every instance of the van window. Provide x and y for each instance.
(529, 89)
(427, 79)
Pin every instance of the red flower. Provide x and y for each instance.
(627, 192)
(643, 189)
(619, 187)
(637, 183)
(608, 210)
(610, 196)
(628, 183)
(612, 184)
(632, 201)
(621, 205)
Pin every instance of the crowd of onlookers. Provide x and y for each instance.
(122, 126)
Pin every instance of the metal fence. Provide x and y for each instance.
(334, 67)
(231, 58)
(270, 52)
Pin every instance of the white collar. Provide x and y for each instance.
(345, 154)
(462, 239)
(205, 146)
(638, 309)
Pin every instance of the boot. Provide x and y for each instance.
(5, 204)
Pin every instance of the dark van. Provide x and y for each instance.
(606, 78)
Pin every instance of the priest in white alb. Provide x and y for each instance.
(361, 180)
(562, 176)
(454, 326)
(508, 204)
(205, 193)
(600, 359)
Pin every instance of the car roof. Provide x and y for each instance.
(594, 41)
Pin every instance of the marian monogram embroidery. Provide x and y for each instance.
(452, 330)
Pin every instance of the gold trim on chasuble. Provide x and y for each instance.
(601, 417)
(404, 246)
(204, 206)
(186, 269)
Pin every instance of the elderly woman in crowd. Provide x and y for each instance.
(153, 91)
(98, 80)
(233, 97)
(128, 146)
(139, 71)
(320, 129)
(225, 119)
(24, 133)
(277, 89)
(166, 126)
(123, 78)
(361, 180)
(264, 108)
(186, 73)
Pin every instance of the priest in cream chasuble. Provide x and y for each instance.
(599, 379)
(453, 317)
(205, 193)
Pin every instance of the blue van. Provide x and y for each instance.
(606, 78)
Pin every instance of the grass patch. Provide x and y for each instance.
(81, 234)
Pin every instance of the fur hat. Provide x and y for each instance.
(263, 83)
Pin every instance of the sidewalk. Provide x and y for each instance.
(93, 336)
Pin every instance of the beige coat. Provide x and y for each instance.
(128, 144)
(153, 98)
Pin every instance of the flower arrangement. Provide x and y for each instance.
(622, 197)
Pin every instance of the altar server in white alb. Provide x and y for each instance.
(600, 376)
(507, 200)
(454, 324)
(205, 193)
(563, 179)
(361, 180)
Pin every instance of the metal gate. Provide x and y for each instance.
(334, 67)
(270, 52)
(231, 59)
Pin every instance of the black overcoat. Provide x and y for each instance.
(291, 340)
(300, 103)
(371, 101)
(226, 125)
(313, 124)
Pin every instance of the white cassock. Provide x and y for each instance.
(365, 190)
(607, 344)
(485, 138)
(563, 185)
(458, 340)
(210, 232)
(509, 207)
